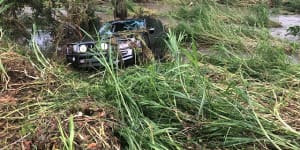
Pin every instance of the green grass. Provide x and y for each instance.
(4, 78)
(210, 23)
(67, 140)
(4, 6)
(244, 95)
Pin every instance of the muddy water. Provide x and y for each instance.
(44, 39)
(286, 21)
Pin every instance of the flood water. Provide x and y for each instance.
(44, 39)
(286, 21)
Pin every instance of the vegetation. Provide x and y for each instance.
(292, 5)
(294, 30)
(243, 94)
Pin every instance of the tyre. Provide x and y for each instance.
(156, 40)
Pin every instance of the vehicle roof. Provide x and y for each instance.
(113, 21)
(85, 42)
(133, 19)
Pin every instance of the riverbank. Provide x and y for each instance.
(191, 101)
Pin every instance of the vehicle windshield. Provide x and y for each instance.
(128, 25)
(106, 29)
(118, 26)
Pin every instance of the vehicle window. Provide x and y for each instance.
(106, 29)
(128, 25)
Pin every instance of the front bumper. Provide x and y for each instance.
(92, 60)
(84, 60)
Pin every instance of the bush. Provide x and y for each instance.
(294, 30)
(292, 5)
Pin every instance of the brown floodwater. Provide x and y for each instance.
(286, 21)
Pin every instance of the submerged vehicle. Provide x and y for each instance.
(121, 42)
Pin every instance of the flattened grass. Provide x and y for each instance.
(194, 101)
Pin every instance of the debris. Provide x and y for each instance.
(6, 99)
(91, 130)
(92, 146)
(18, 68)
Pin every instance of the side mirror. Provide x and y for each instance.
(151, 30)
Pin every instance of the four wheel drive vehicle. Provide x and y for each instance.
(122, 42)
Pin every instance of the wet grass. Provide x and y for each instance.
(194, 101)
(212, 23)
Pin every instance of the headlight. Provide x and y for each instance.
(104, 46)
(82, 48)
